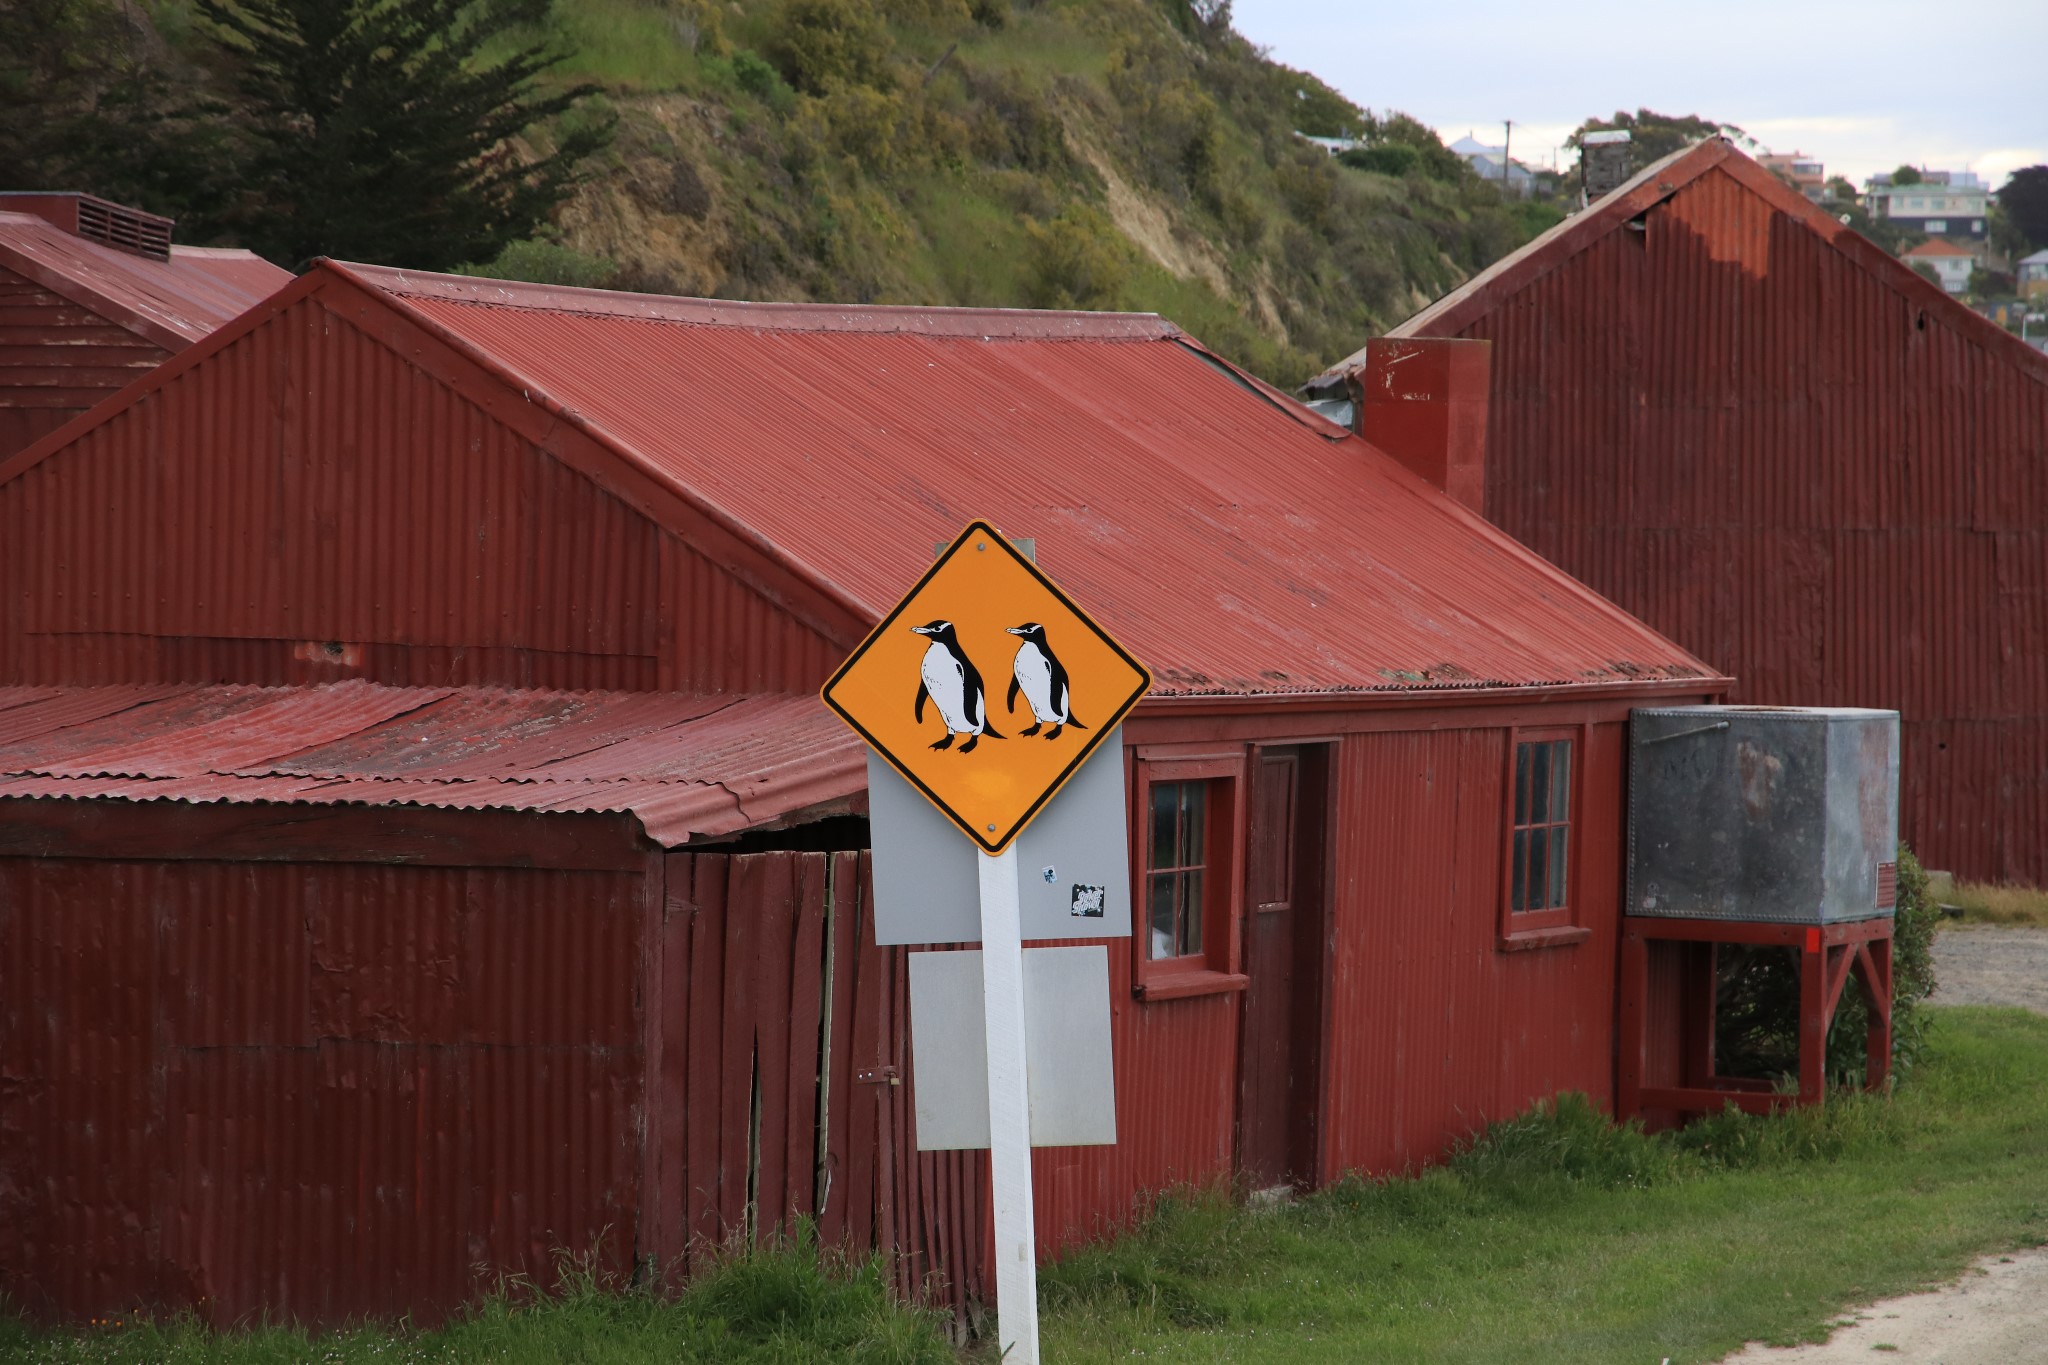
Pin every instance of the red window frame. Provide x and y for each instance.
(1214, 966)
(1528, 815)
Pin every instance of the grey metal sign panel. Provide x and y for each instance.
(1074, 859)
(1068, 1069)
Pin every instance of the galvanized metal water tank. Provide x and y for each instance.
(1781, 814)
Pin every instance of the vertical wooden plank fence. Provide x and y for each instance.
(782, 1086)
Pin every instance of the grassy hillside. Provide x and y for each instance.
(1063, 153)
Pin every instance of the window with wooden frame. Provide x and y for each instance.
(1540, 860)
(1187, 900)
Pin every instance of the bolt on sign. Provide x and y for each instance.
(987, 687)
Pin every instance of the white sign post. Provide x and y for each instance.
(1009, 1109)
(925, 689)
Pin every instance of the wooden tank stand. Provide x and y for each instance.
(1828, 956)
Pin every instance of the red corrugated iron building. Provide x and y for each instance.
(1747, 424)
(422, 848)
(93, 295)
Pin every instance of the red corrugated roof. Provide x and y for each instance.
(1236, 541)
(1935, 246)
(173, 303)
(683, 765)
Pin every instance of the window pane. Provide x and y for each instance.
(1557, 858)
(1522, 784)
(1521, 870)
(1539, 784)
(1191, 918)
(1539, 880)
(1194, 823)
(1561, 781)
(1160, 891)
(1165, 810)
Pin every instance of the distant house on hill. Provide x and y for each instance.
(1486, 162)
(1803, 172)
(1951, 264)
(1757, 430)
(1952, 204)
(2033, 275)
(93, 296)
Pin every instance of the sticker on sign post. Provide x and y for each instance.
(987, 687)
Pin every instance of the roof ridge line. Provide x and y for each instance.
(767, 315)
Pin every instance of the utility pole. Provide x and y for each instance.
(1506, 146)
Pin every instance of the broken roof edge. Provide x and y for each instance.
(1020, 324)
(696, 814)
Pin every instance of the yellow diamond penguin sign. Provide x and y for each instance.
(987, 687)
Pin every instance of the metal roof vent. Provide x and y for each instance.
(117, 225)
(1603, 162)
(97, 220)
(1763, 814)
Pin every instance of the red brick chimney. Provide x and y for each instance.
(1423, 401)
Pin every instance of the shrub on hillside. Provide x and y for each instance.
(1389, 158)
(543, 262)
(1078, 260)
(818, 44)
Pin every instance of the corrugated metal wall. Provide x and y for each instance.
(1433, 1029)
(326, 1090)
(310, 486)
(330, 1090)
(1176, 1112)
(1806, 476)
(57, 359)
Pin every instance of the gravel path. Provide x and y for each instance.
(1997, 1314)
(1992, 1316)
(1991, 966)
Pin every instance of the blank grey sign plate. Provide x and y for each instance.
(1068, 1069)
(927, 883)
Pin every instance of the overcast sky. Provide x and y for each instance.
(1863, 86)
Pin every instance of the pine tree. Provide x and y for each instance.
(379, 131)
(92, 99)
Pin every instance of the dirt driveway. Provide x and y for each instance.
(1997, 1314)
(1994, 1315)
(1992, 966)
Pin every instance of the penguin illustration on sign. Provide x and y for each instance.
(951, 681)
(1043, 680)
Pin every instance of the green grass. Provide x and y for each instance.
(1558, 1238)
(1991, 903)
(1552, 1237)
(788, 1306)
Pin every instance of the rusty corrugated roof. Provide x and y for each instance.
(1236, 541)
(172, 303)
(684, 765)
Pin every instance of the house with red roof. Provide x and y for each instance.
(1751, 426)
(422, 847)
(93, 295)
(1950, 263)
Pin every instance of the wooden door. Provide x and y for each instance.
(1284, 927)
